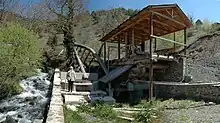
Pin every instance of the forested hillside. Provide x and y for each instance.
(42, 24)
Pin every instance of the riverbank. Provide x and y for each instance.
(29, 105)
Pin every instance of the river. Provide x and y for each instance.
(29, 106)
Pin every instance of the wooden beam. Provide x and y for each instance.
(168, 40)
(82, 54)
(160, 20)
(156, 28)
(146, 27)
(86, 57)
(126, 27)
(142, 29)
(169, 18)
(151, 60)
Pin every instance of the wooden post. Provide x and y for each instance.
(108, 57)
(185, 42)
(155, 44)
(184, 61)
(119, 48)
(126, 44)
(151, 59)
(110, 89)
(105, 52)
(143, 46)
(132, 41)
(174, 44)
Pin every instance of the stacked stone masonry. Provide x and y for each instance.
(55, 113)
(201, 91)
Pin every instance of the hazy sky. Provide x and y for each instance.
(202, 9)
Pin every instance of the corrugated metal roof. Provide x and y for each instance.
(115, 73)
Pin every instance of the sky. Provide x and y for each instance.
(199, 9)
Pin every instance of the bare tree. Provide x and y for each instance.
(6, 7)
(66, 10)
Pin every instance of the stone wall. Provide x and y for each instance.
(198, 91)
(174, 73)
(55, 113)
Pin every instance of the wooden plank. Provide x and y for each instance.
(79, 61)
(158, 66)
(115, 73)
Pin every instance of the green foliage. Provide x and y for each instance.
(104, 111)
(19, 57)
(179, 37)
(72, 116)
(99, 110)
(150, 112)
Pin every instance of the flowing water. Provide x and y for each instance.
(29, 106)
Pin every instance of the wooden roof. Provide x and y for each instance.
(167, 18)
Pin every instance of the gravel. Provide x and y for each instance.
(203, 114)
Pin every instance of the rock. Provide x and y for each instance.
(24, 121)
(9, 119)
(11, 113)
(20, 116)
(2, 117)
(211, 103)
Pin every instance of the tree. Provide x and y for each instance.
(65, 11)
(20, 56)
(5, 7)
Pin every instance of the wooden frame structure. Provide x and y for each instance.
(150, 23)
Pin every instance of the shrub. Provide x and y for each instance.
(19, 57)
(104, 111)
(72, 116)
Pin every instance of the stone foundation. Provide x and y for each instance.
(55, 112)
(198, 91)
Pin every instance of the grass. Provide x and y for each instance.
(152, 112)
(102, 112)
(72, 116)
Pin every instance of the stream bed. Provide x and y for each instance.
(30, 105)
